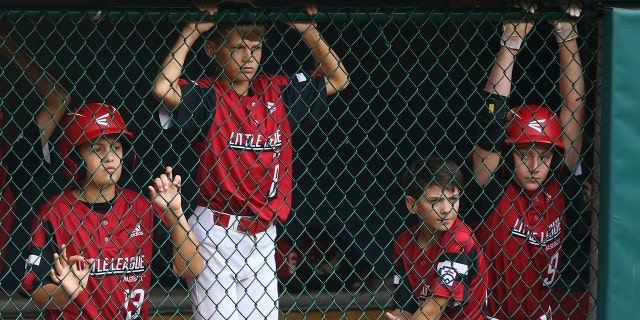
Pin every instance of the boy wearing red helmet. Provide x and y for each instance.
(92, 245)
(22, 160)
(524, 225)
(241, 121)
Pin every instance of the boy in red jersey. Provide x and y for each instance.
(23, 159)
(241, 121)
(92, 244)
(439, 266)
(523, 205)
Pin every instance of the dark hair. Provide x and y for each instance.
(431, 171)
(250, 30)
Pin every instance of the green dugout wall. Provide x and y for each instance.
(619, 257)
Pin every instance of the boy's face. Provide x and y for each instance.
(238, 57)
(437, 207)
(532, 164)
(103, 161)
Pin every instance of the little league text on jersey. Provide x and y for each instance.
(543, 239)
(255, 142)
(119, 265)
(107, 266)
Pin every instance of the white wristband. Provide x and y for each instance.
(565, 31)
(511, 41)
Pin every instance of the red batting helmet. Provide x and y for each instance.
(534, 124)
(88, 123)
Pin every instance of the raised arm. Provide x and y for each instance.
(166, 89)
(492, 119)
(326, 59)
(54, 96)
(187, 260)
(572, 90)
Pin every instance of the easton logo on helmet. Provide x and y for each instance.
(537, 124)
(533, 123)
(102, 120)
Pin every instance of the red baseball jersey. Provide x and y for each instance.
(245, 146)
(451, 268)
(521, 238)
(120, 241)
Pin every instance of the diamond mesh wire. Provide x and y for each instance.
(414, 76)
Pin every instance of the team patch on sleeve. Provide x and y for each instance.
(450, 271)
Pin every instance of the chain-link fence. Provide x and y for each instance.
(415, 81)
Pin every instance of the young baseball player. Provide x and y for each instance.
(241, 121)
(524, 222)
(439, 266)
(25, 158)
(92, 244)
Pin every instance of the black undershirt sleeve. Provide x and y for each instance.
(306, 100)
(194, 115)
(45, 254)
(403, 297)
(479, 201)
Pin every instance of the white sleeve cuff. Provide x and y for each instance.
(165, 118)
(46, 152)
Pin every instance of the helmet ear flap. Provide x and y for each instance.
(129, 162)
(509, 163)
(557, 162)
(71, 169)
(75, 170)
(130, 159)
(66, 153)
